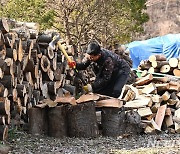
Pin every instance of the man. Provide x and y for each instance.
(111, 71)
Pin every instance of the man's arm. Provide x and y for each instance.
(83, 65)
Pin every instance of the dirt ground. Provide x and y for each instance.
(21, 142)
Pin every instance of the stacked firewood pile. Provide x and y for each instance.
(159, 64)
(30, 72)
(157, 100)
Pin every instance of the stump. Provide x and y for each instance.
(57, 123)
(82, 120)
(133, 123)
(113, 121)
(38, 121)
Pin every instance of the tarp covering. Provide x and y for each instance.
(169, 45)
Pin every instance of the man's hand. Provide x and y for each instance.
(72, 64)
(87, 88)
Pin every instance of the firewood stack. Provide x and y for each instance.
(157, 100)
(30, 72)
(159, 64)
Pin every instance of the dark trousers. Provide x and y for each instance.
(115, 86)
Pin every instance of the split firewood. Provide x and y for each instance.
(3, 132)
(87, 97)
(141, 102)
(144, 80)
(67, 100)
(114, 102)
(4, 27)
(176, 72)
(160, 115)
(144, 111)
(169, 121)
(177, 116)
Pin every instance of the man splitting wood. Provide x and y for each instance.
(111, 71)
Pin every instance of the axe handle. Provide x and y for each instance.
(69, 60)
(64, 51)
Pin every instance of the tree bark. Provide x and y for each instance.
(82, 120)
(57, 121)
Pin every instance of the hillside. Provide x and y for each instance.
(164, 18)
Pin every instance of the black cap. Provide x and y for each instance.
(93, 48)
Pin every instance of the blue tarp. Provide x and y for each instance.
(169, 45)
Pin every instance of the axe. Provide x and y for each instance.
(56, 40)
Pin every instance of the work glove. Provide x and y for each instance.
(87, 88)
(72, 64)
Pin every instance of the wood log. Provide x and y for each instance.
(173, 62)
(169, 121)
(3, 51)
(144, 80)
(165, 69)
(51, 85)
(4, 106)
(144, 65)
(4, 92)
(36, 96)
(45, 63)
(160, 115)
(177, 116)
(21, 90)
(50, 53)
(166, 96)
(144, 111)
(113, 102)
(44, 38)
(2, 120)
(29, 25)
(153, 70)
(87, 97)
(176, 72)
(156, 98)
(20, 50)
(159, 57)
(82, 120)
(4, 27)
(57, 121)
(142, 102)
(3, 132)
(129, 96)
(59, 71)
(65, 100)
(2, 40)
(179, 64)
(38, 121)
(161, 79)
(113, 121)
(159, 64)
(50, 74)
(155, 107)
(150, 88)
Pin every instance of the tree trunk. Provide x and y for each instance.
(57, 121)
(113, 121)
(82, 120)
(38, 121)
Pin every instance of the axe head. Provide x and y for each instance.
(52, 44)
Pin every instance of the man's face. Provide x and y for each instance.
(95, 57)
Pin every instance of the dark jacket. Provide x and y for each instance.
(106, 68)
